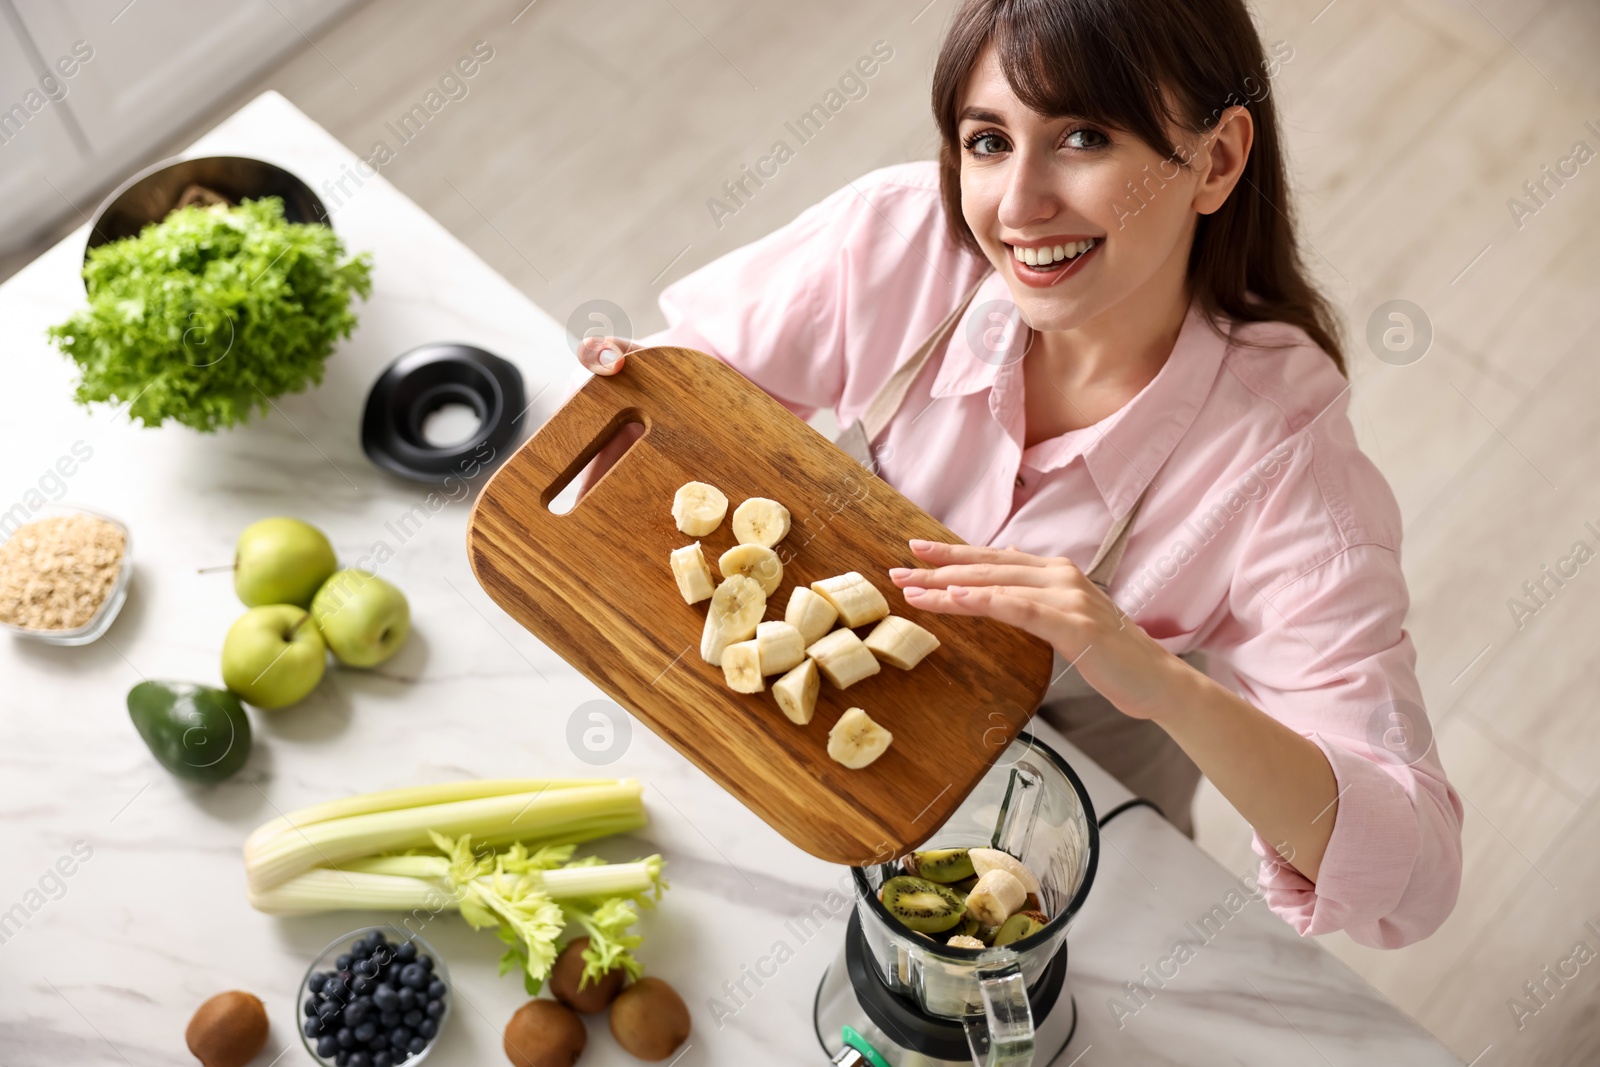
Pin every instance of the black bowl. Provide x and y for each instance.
(421, 382)
(150, 195)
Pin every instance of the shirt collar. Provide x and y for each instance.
(1125, 451)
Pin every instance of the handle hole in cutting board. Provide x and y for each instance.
(597, 458)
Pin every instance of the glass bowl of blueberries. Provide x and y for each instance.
(369, 1001)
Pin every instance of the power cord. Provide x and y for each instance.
(1129, 805)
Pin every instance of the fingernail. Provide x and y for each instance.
(918, 546)
(957, 590)
(609, 356)
(914, 591)
(898, 572)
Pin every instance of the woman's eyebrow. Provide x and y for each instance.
(978, 114)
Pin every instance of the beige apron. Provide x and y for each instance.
(1136, 752)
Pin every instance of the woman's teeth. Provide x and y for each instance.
(1045, 256)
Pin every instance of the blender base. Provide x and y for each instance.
(852, 993)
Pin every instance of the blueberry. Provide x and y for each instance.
(360, 1059)
(361, 986)
(390, 1019)
(385, 997)
(343, 962)
(313, 1027)
(413, 1018)
(361, 949)
(317, 981)
(417, 1045)
(414, 976)
(311, 1005)
(436, 990)
(336, 990)
(435, 1009)
(406, 952)
(327, 1045)
(366, 1032)
(356, 1013)
(381, 1058)
(426, 961)
(379, 1041)
(342, 1059)
(327, 1010)
(400, 1037)
(347, 1037)
(408, 998)
(427, 1028)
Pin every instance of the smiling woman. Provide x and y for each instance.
(1090, 394)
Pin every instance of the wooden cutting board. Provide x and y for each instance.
(595, 585)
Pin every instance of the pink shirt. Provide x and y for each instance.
(1267, 539)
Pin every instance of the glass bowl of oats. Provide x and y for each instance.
(63, 574)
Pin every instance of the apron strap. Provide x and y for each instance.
(893, 394)
(1105, 561)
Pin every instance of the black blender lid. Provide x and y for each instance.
(425, 379)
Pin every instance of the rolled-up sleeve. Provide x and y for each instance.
(1325, 652)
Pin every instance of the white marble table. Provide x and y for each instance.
(109, 965)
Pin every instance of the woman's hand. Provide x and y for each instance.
(604, 355)
(1053, 600)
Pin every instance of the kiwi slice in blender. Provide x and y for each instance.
(942, 865)
(920, 905)
(1022, 924)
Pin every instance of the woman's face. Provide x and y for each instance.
(1099, 213)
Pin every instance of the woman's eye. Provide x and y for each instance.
(986, 144)
(1085, 137)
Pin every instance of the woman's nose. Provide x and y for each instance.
(1029, 197)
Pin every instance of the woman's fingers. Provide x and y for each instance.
(938, 552)
(974, 574)
(604, 355)
(1020, 606)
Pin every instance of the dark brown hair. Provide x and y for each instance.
(1138, 66)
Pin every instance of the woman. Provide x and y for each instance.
(1091, 311)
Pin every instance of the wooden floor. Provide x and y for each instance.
(586, 155)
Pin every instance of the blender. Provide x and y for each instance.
(897, 998)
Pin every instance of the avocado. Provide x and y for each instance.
(194, 731)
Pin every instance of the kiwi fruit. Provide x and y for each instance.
(967, 927)
(650, 1020)
(544, 1033)
(228, 1030)
(920, 905)
(942, 865)
(1022, 924)
(567, 984)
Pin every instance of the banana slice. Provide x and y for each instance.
(843, 658)
(782, 647)
(809, 613)
(796, 692)
(965, 941)
(759, 521)
(985, 860)
(857, 600)
(693, 573)
(698, 508)
(741, 666)
(997, 896)
(900, 642)
(756, 561)
(736, 610)
(856, 740)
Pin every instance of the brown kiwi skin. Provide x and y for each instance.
(228, 1030)
(545, 1033)
(567, 985)
(650, 1019)
(925, 922)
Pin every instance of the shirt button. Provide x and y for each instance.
(1019, 481)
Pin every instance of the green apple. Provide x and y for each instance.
(281, 561)
(273, 656)
(363, 618)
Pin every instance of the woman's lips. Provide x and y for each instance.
(1055, 273)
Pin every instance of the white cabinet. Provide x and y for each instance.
(118, 79)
